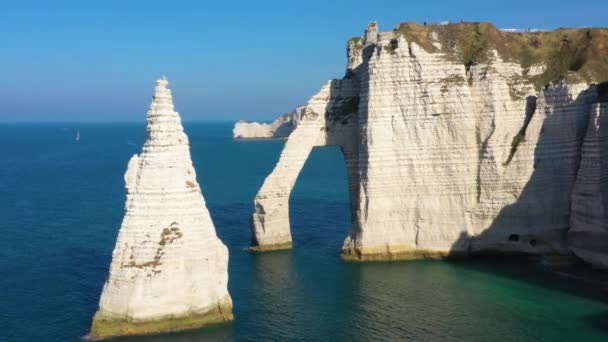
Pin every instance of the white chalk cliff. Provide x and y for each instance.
(279, 128)
(456, 145)
(169, 270)
(588, 234)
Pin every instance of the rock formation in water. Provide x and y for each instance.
(279, 128)
(169, 270)
(460, 139)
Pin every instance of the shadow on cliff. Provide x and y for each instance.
(542, 206)
(544, 203)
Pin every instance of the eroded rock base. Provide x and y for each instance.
(105, 326)
(389, 253)
(271, 247)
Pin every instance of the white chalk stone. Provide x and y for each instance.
(279, 128)
(169, 270)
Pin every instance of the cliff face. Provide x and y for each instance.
(279, 128)
(588, 234)
(169, 270)
(459, 139)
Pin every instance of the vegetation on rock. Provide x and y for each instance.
(565, 53)
(356, 40)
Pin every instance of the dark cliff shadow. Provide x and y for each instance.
(284, 130)
(592, 195)
(544, 203)
(510, 242)
(565, 274)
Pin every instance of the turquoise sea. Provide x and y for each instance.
(61, 203)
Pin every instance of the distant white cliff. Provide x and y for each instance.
(169, 269)
(279, 128)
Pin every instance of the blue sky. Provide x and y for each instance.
(225, 60)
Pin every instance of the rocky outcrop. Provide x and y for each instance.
(458, 139)
(169, 270)
(271, 218)
(279, 128)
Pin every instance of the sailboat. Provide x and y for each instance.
(77, 135)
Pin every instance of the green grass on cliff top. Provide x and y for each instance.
(566, 53)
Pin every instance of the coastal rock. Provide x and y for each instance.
(169, 270)
(279, 128)
(588, 234)
(271, 229)
(458, 139)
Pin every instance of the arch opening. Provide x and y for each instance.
(320, 209)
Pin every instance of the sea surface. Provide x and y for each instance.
(61, 204)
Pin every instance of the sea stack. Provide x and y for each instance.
(169, 270)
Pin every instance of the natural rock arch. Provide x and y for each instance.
(336, 126)
(440, 150)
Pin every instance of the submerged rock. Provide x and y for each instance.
(458, 139)
(169, 270)
(279, 128)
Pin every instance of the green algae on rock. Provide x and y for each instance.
(564, 52)
(104, 327)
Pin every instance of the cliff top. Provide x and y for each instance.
(567, 53)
